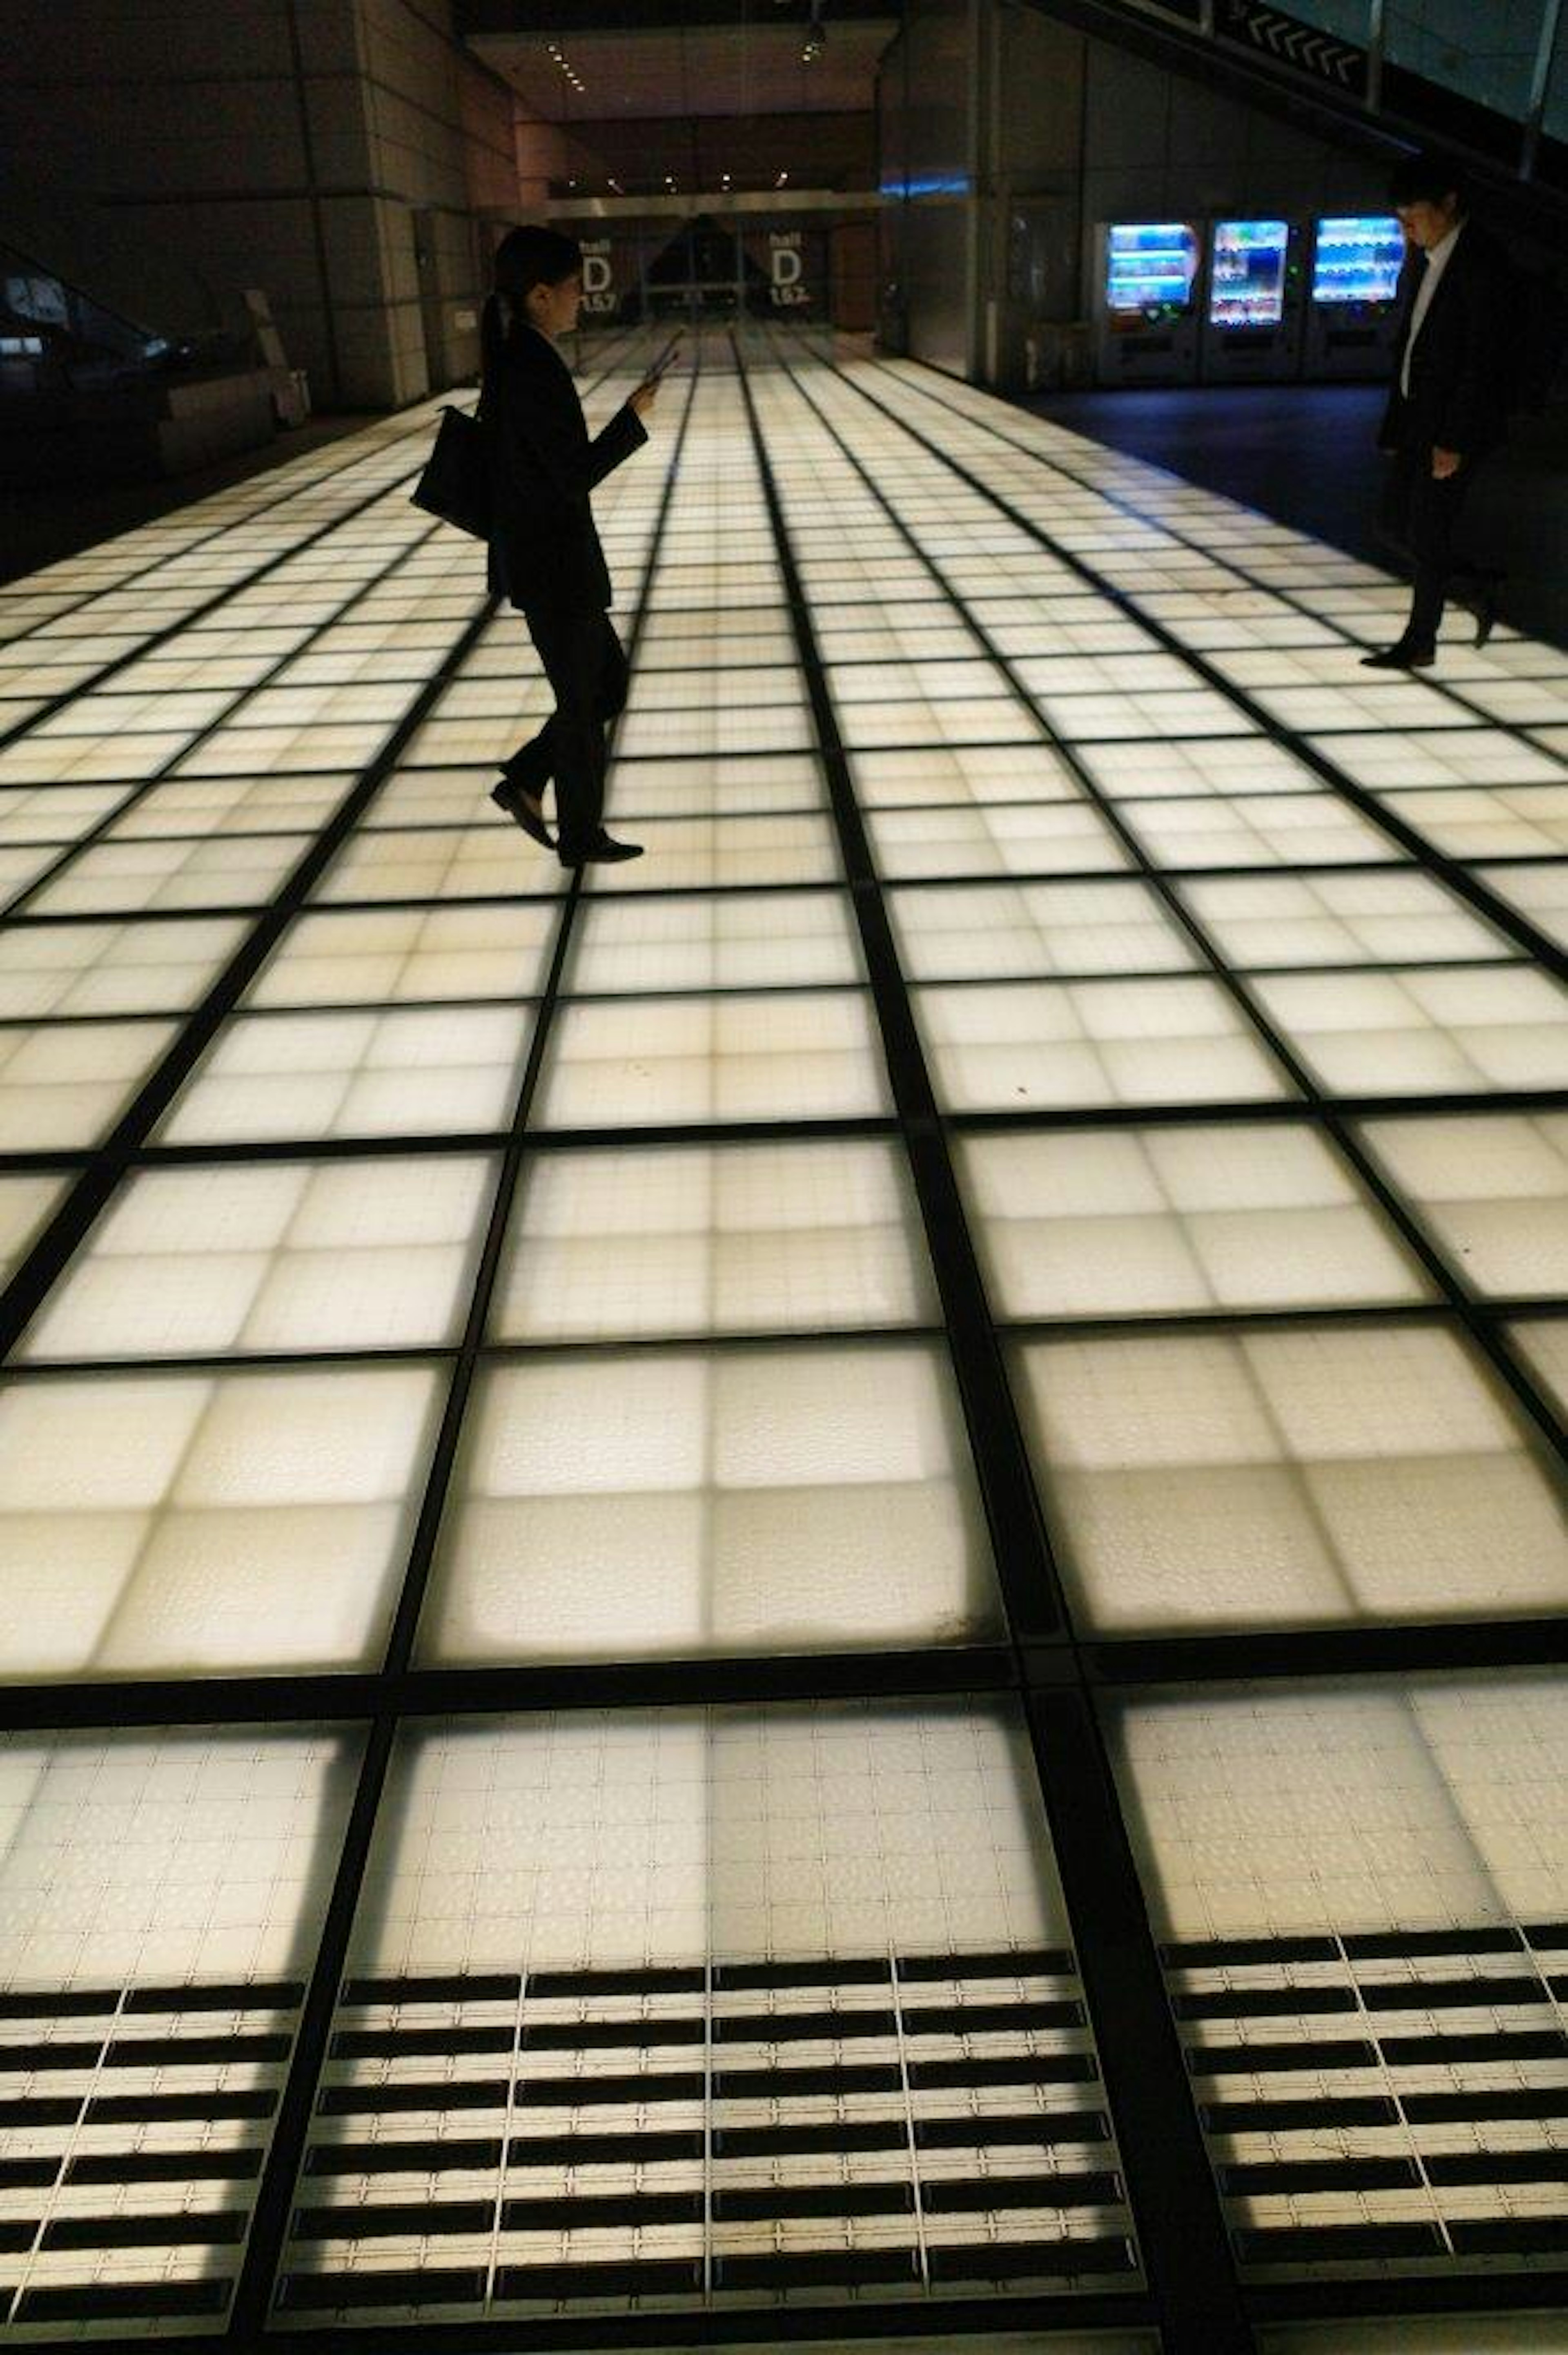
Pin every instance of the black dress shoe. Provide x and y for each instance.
(1401, 657)
(508, 796)
(601, 850)
(1484, 607)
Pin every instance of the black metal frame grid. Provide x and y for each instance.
(1046, 1667)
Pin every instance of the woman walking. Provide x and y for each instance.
(544, 552)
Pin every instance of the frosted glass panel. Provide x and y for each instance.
(63, 1085)
(725, 853)
(1425, 1032)
(161, 1897)
(1045, 838)
(1544, 1344)
(114, 878)
(663, 1811)
(1144, 1220)
(786, 1238)
(1360, 1888)
(349, 1255)
(1329, 920)
(1225, 764)
(1492, 1191)
(69, 969)
(25, 1205)
(169, 1523)
(1278, 829)
(441, 863)
(1092, 1043)
(986, 774)
(673, 1932)
(753, 940)
(698, 785)
(392, 955)
(814, 1055)
(659, 1504)
(316, 1075)
(958, 935)
(1313, 1474)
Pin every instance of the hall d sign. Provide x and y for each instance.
(599, 275)
(1293, 43)
(785, 265)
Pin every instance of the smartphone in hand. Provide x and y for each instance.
(666, 358)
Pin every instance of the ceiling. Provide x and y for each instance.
(753, 67)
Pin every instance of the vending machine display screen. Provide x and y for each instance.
(1246, 278)
(1149, 266)
(1358, 260)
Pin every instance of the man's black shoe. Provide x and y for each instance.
(507, 796)
(1401, 657)
(603, 850)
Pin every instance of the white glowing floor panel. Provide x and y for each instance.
(1230, 969)
(1153, 850)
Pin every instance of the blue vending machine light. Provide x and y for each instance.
(1146, 302)
(1252, 323)
(1357, 261)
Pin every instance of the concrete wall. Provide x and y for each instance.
(162, 156)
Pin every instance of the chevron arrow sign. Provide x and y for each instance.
(1293, 43)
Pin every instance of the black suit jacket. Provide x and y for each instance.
(545, 551)
(1458, 368)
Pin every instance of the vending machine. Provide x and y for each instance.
(1146, 302)
(1353, 318)
(1252, 320)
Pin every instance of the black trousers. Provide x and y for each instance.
(1421, 518)
(586, 667)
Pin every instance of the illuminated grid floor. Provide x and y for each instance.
(648, 1529)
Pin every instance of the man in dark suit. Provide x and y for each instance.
(1448, 405)
(544, 552)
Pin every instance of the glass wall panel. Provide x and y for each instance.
(751, 2000)
(1359, 1891)
(1487, 55)
(1555, 120)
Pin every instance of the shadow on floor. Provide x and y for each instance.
(1306, 455)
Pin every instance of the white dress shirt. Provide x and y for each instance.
(1438, 257)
